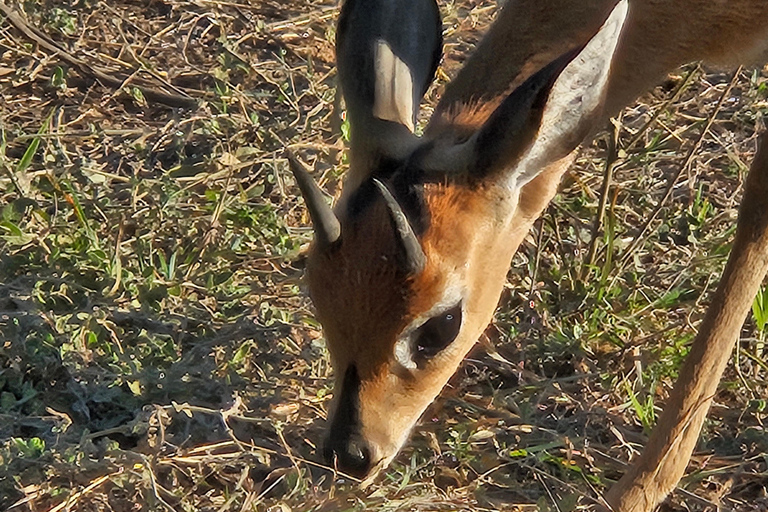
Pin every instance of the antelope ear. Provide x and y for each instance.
(542, 120)
(387, 53)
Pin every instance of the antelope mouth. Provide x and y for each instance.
(346, 449)
(377, 468)
(358, 467)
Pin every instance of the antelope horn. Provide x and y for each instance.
(414, 254)
(325, 223)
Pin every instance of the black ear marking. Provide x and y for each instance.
(366, 193)
(407, 185)
(411, 29)
(405, 182)
(514, 124)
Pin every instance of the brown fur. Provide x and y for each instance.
(359, 291)
(363, 299)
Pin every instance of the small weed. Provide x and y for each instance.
(29, 448)
(644, 408)
(62, 20)
(760, 311)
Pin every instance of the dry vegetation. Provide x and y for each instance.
(156, 352)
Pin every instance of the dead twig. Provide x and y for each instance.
(172, 100)
(611, 160)
(673, 181)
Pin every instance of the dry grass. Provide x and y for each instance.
(157, 353)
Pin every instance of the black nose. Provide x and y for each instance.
(351, 455)
(346, 449)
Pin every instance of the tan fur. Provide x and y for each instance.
(660, 35)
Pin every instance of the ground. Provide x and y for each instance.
(157, 351)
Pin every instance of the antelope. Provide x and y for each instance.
(406, 272)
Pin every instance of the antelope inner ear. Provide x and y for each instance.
(575, 103)
(394, 89)
(544, 119)
(512, 128)
(509, 131)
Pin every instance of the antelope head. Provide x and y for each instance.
(405, 274)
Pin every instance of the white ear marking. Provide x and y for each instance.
(575, 97)
(393, 97)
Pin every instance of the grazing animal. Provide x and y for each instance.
(406, 272)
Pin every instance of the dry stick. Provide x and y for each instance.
(155, 486)
(671, 186)
(141, 61)
(73, 498)
(663, 108)
(611, 160)
(172, 100)
(543, 474)
(324, 14)
(83, 134)
(537, 259)
(538, 477)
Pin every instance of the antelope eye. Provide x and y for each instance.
(436, 333)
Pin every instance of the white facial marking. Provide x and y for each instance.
(393, 97)
(403, 353)
(452, 295)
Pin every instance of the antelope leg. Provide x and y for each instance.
(663, 462)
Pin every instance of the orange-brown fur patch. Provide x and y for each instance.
(359, 290)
